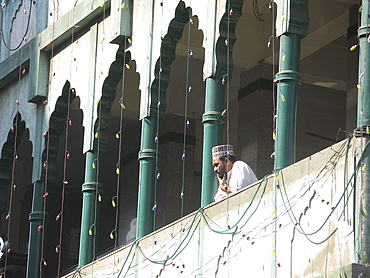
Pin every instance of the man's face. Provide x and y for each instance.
(220, 166)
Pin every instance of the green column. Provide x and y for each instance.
(91, 190)
(362, 239)
(287, 80)
(212, 135)
(292, 26)
(35, 235)
(147, 176)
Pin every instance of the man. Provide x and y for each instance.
(233, 175)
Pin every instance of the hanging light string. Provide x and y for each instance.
(271, 43)
(98, 198)
(156, 139)
(188, 90)
(21, 71)
(24, 37)
(229, 13)
(115, 199)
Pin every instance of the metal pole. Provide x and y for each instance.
(287, 80)
(91, 190)
(35, 236)
(362, 239)
(147, 176)
(213, 123)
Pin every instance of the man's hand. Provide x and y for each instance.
(223, 183)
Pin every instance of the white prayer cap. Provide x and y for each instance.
(222, 150)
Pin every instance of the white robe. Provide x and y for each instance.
(240, 176)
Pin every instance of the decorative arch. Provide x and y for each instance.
(57, 124)
(167, 56)
(108, 95)
(227, 38)
(7, 158)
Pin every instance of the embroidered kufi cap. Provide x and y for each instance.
(222, 150)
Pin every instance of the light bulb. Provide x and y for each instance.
(70, 122)
(183, 156)
(44, 135)
(191, 54)
(160, 71)
(12, 129)
(68, 156)
(90, 232)
(223, 81)
(3, 5)
(182, 195)
(122, 105)
(45, 263)
(156, 139)
(154, 207)
(23, 71)
(360, 9)
(159, 104)
(45, 102)
(45, 165)
(283, 97)
(187, 123)
(123, 6)
(283, 58)
(102, 5)
(17, 102)
(353, 47)
(16, 157)
(73, 91)
(117, 134)
(128, 66)
(359, 86)
(39, 228)
(274, 136)
(155, 242)
(190, 89)
(118, 171)
(270, 8)
(158, 176)
(129, 40)
(14, 187)
(99, 198)
(112, 234)
(224, 113)
(57, 249)
(367, 130)
(93, 165)
(45, 194)
(227, 42)
(96, 135)
(7, 216)
(113, 203)
(58, 216)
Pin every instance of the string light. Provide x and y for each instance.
(112, 234)
(154, 208)
(283, 97)
(118, 134)
(158, 176)
(114, 201)
(58, 216)
(45, 165)
(190, 89)
(121, 103)
(183, 156)
(99, 198)
(117, 169)
(128, 66)
(123, 5)
(45, 194)
(187, 123)
(39, 228)
(353, 47)
(14, 187)
(223, 114)
(191, 54)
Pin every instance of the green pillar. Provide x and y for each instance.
(292, 26)
(147, 176)
(212, 135)
(362, 239)
(91, 191)
(35, 235)
(287, 80)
